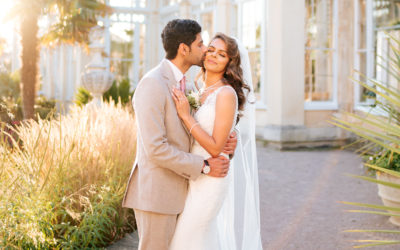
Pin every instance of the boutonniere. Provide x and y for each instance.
(194, 99)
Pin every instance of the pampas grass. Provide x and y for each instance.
(63, 183)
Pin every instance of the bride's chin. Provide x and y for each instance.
(208, 68)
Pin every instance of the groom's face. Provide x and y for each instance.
(197, 51)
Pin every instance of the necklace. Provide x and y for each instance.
(212, 86)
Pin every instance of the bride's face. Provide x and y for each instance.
(216, 58)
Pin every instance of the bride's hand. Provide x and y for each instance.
(181, 103)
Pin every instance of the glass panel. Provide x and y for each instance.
(121, 69)
(319, 25)
(362, 36)
(121, 56)
(319, 52)
(142, 49)
(251, 26)
(388, 64)
(386, 13)
(128, 3)
(170, 2)
(394, 65)
(363, 70)
(206, 20)
(123, 3)
(255, 62)
(251, 38)
(318, 75)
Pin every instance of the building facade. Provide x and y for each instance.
(304, 54)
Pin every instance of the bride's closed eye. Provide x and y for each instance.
(212, 50)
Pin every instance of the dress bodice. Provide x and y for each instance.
(205, 116)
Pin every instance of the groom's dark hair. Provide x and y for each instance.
(179, 31)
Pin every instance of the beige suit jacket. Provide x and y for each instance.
(163, 164)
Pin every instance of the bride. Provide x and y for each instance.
(221, 213)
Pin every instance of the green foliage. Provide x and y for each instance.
(11, 103)
(9, 85)
(118, 93)
(379, 141)
(82, 97)
(385, 159)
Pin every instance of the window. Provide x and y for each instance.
(128, 3)
(376, 20)
(250, 33)
(127, 41)
(387, 25)
(320, 54)
(361, 51)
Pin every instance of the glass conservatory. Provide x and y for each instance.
(302, 54)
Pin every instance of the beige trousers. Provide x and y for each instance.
(155, 230)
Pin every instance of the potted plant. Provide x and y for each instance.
(370, 97)
(379, 133)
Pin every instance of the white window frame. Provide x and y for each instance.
(369, 50)
(136, 39)
(333, 104)
(260, 104)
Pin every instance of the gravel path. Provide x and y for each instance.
(299, 197)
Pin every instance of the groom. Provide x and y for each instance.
(158, 184)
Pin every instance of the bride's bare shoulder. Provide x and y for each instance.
(226, 94)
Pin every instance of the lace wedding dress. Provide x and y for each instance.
(197, 226)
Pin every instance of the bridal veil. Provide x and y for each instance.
(239, 218)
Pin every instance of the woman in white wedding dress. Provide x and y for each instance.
(222, 99)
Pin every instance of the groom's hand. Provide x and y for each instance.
(230, 145)
(219, 166)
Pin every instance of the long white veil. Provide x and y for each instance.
(241, 210)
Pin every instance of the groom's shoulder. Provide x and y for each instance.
(153, 74)
(151, 81)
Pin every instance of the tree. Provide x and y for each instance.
(75, 19)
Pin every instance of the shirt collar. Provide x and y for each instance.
(177, 72)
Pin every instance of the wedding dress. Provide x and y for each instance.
(197, 226)
(224, 213)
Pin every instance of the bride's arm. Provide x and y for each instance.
(224, 116)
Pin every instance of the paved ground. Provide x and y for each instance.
(299, 196)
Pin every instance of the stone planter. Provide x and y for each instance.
(390, 196)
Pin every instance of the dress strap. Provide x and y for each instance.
(220, 88)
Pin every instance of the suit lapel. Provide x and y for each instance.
(168, 75)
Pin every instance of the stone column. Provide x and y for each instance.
(284, 88)
(345, 49)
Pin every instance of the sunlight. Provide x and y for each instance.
(6, 26)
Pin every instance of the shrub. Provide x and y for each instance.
(118, 93)
(64, 186)
(11, 103)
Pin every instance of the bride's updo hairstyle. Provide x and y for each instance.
(233, 72)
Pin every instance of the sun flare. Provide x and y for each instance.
(6, 26)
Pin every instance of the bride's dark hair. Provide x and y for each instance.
(233, 72)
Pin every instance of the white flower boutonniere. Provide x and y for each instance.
(194, 100)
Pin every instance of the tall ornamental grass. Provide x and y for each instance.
(62, 182)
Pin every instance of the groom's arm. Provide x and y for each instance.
(149, 104)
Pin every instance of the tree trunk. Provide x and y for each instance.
(29, 58)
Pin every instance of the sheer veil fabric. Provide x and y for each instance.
(239, 218)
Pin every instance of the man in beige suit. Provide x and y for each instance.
(158, 183)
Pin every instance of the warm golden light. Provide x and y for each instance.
(6, 26)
